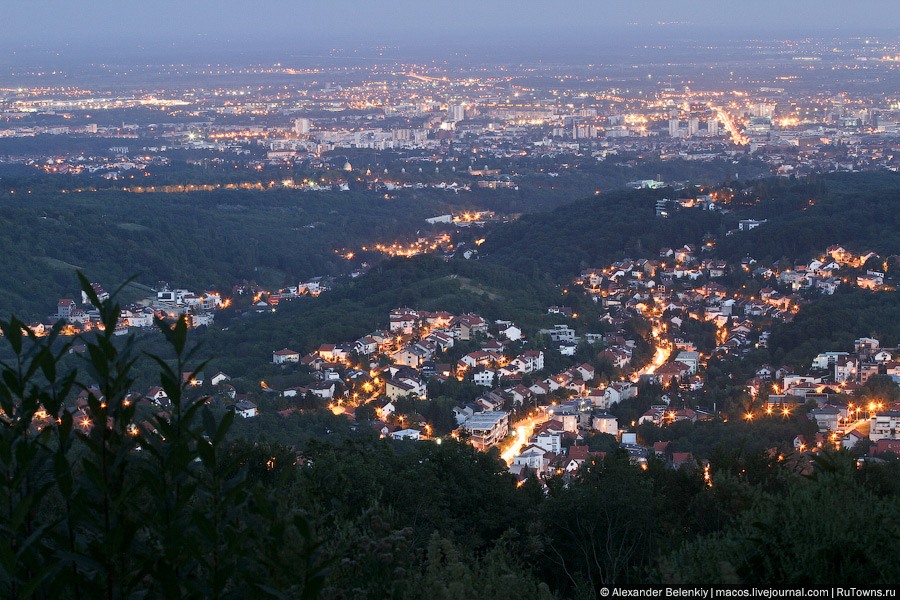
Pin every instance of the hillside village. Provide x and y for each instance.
(540, 419)
(548, 399)
(171, 303)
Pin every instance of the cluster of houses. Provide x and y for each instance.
(828, 272)
(171, 303)
(417, 345)
(264, 300)
(557, 445)
(562, 407)
(682, 282)
(155, 401)
(668, 295)
(832, 382)
(168, 303)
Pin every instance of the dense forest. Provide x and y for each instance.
(217, 238)
(858, 211)
(832, 323)
(804, 218)
(128, 504)
(199, 240)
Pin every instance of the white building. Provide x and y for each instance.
(885, 425)
(301, 126)
(280, 357)
(532, 457)
(245, 409)
(691, 359)
(487, 429)
(484, 377)
(407, 434)
(548, 441)
(605, 423)
(826, 360)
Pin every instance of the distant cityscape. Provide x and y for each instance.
(352, 325)
(806, 107)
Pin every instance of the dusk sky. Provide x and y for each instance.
(48, 23)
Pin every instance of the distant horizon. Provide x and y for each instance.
(169, 30)
(578, 50)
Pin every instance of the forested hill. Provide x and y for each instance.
(590, 232)
(804, 217)
(357, 307)
(859, 211)
(199, 240)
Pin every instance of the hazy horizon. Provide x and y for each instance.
(203, 28)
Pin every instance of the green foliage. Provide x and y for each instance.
(825, 531)
(856, 210)
(201, 240)
(832, 323)
(358, 307)
(593, 232)
(107, 508)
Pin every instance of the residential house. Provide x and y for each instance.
(406, 434)
(827, 417)
(691, 359)
(366, 346)
(403, 321)
(285, 356)
(575, 457)
(884, 425)
(668, 372)
(851, 438)
(826, 360)
(65, 308)
(549, 441)
(322, 389)
(411, 356)
(462, 413)
(245, 409)
(845, 369)
(313, 361)
(469, 325)
(567, 348)
(619, 391)
(484, 377)
(218, 378)
(533, 457)
(510, 332)
(605, 423)
(397, 388)
(518, 394)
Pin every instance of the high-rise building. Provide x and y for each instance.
(712, 126)
(301, 126)
(674, 128)
(693, 126)
(763, 109)
(457, 112)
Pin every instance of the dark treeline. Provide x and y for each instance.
(214, 239)
(199, 240)
(833, 322)
(856, 210)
